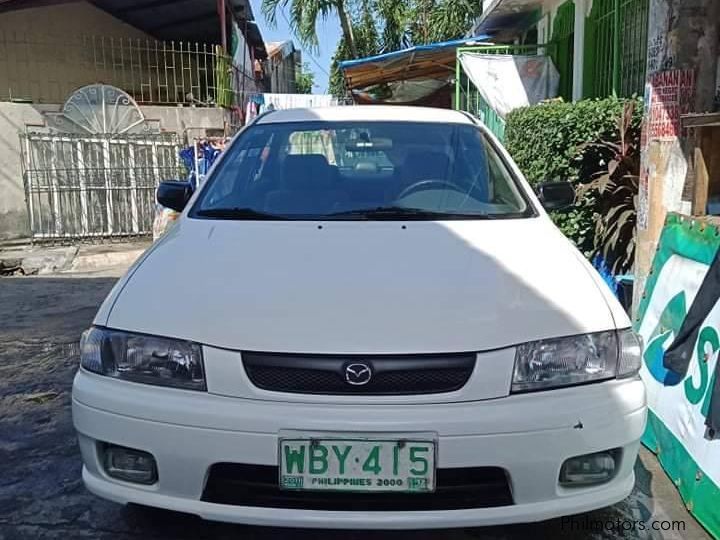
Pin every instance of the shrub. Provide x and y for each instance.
(616, 187)
(555, 141)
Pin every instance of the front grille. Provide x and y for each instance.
(257, 485)
(389, 375)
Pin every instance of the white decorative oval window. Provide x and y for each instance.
(101, 108)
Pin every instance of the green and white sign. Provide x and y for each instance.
(357, 464)
(678, 405)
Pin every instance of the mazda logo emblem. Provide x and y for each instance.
(358, 374)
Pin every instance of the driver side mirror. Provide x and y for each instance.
(556, 195)
(174, 195)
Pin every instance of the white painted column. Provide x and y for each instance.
(579, 48)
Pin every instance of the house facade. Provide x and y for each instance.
(598, 46)
(284, 63)
(97, 96)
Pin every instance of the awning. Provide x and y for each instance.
(435, 61)
(504, 19)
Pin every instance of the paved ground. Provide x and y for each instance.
(42, 496)
(112, 257)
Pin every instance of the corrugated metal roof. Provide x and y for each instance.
(168, 20)
(286, 47)
(431, 61)
(503, 19)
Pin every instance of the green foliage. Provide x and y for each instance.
(304, 80)
(394, 16)
(430, 21)
(381, 26)
(367, 42)
(616, 188)
(553, 141)
(304, 15)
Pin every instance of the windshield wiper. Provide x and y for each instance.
(238, 213)
(403, 212)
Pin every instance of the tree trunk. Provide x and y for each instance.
(347, 28)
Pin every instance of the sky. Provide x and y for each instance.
(319, 61)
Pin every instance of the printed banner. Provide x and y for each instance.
(677, 430)
(507, 82)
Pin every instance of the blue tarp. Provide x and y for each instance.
(430, 47)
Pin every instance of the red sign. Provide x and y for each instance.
(671, 95)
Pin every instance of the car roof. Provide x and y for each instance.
(366, 113)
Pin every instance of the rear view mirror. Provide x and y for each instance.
(368, 145)
(556, 195)
(174, 195)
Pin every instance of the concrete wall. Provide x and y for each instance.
(187, 122)
(683, 59)
(16, 118)
(44, 51)
(13, 213)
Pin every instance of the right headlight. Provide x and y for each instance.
(143, 358)
(558, 362)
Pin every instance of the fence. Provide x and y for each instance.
(97, 186)
(152, 72)
(616, 48)
(563, 38)
(467, 97)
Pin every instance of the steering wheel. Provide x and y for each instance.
(423, 185)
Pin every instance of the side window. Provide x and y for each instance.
(241, 169)
(471, 165)
(504, 190)
(500, 182)
(224, 185)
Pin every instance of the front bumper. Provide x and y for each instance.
(527, 435)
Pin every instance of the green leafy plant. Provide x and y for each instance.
(553, 141)
(304, 16)
(616, 186)
(304, 79)
(366, 41)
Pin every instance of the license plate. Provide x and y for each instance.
(375, 465)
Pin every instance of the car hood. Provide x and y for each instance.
(361, 286)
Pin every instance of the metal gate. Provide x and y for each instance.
(467, 97)
(83, 186)
(616, 48)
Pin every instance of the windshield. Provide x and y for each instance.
(361, 170)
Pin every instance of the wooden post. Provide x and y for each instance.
(223, 24)
(702, 182)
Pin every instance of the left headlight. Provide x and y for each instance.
(142, 358)
(554, 363)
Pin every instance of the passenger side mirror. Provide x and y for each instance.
(174, 195)
(556, 195)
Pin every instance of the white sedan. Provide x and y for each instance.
(363, 319)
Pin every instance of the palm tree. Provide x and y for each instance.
(304, 15)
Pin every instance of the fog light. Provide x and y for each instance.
(130, 465)
(589, 469)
